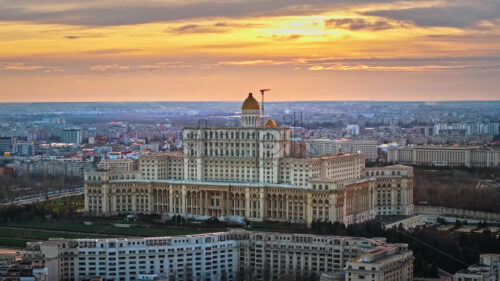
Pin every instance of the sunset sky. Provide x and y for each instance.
(131, 50)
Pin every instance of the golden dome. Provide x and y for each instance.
(250, 103)
(270, 123)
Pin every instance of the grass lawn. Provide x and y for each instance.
(135, 229)
(39, 235)
(13, 242)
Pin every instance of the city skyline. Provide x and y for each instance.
(217, 51)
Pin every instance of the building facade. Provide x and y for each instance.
(116, 165)
(244, 171)
(392, 262)
(234, 255)
(321, 147)
(488, 269)
(7, 145)
(72, 135)
(467, 156)
(394, 187)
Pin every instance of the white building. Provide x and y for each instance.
(234, 255)
(321, 147)
(244, 171)
(116, 164)
(488, 269)
(392, 262)
(468, 156)
(352, 130)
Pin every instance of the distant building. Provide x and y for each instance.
(7, 145)
(72, 135)
(102, 149)
(454, 156)
(393, 262)
(153, 147)
(117, 165)
(368, 147)
(424, 130)
(26, 148)
(52, 167)
(352, 130)
(469, 128)
(320, 147)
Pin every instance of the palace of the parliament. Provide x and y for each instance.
(248, 172)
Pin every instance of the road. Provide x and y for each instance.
(42, 197)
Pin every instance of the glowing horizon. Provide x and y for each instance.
(215, 50)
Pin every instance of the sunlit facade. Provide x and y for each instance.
(247, 172)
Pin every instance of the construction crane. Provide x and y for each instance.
(262, 91)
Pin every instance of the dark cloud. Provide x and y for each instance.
(357, 24)
(124, 13)
(84, 35)
(219, 27)
(450, 16)
(195, 28)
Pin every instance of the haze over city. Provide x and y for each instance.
(219, 50)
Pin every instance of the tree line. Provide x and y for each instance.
(431, 248)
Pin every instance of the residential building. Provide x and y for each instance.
(488, 269)
(393, 262)
(321, 147)
(233, 255)
(7, 145)
(72, 135)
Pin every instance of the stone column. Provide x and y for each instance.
(247, 203)
(206, 203)
(262, 203)
(170, 199)
(105, 199)
(183, 199)
(307, 209)
(151, 198)
(86, 198)
(287, 215)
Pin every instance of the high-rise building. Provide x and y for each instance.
(26, 148)
(352, 130)
(72, 135)
(7, 145)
